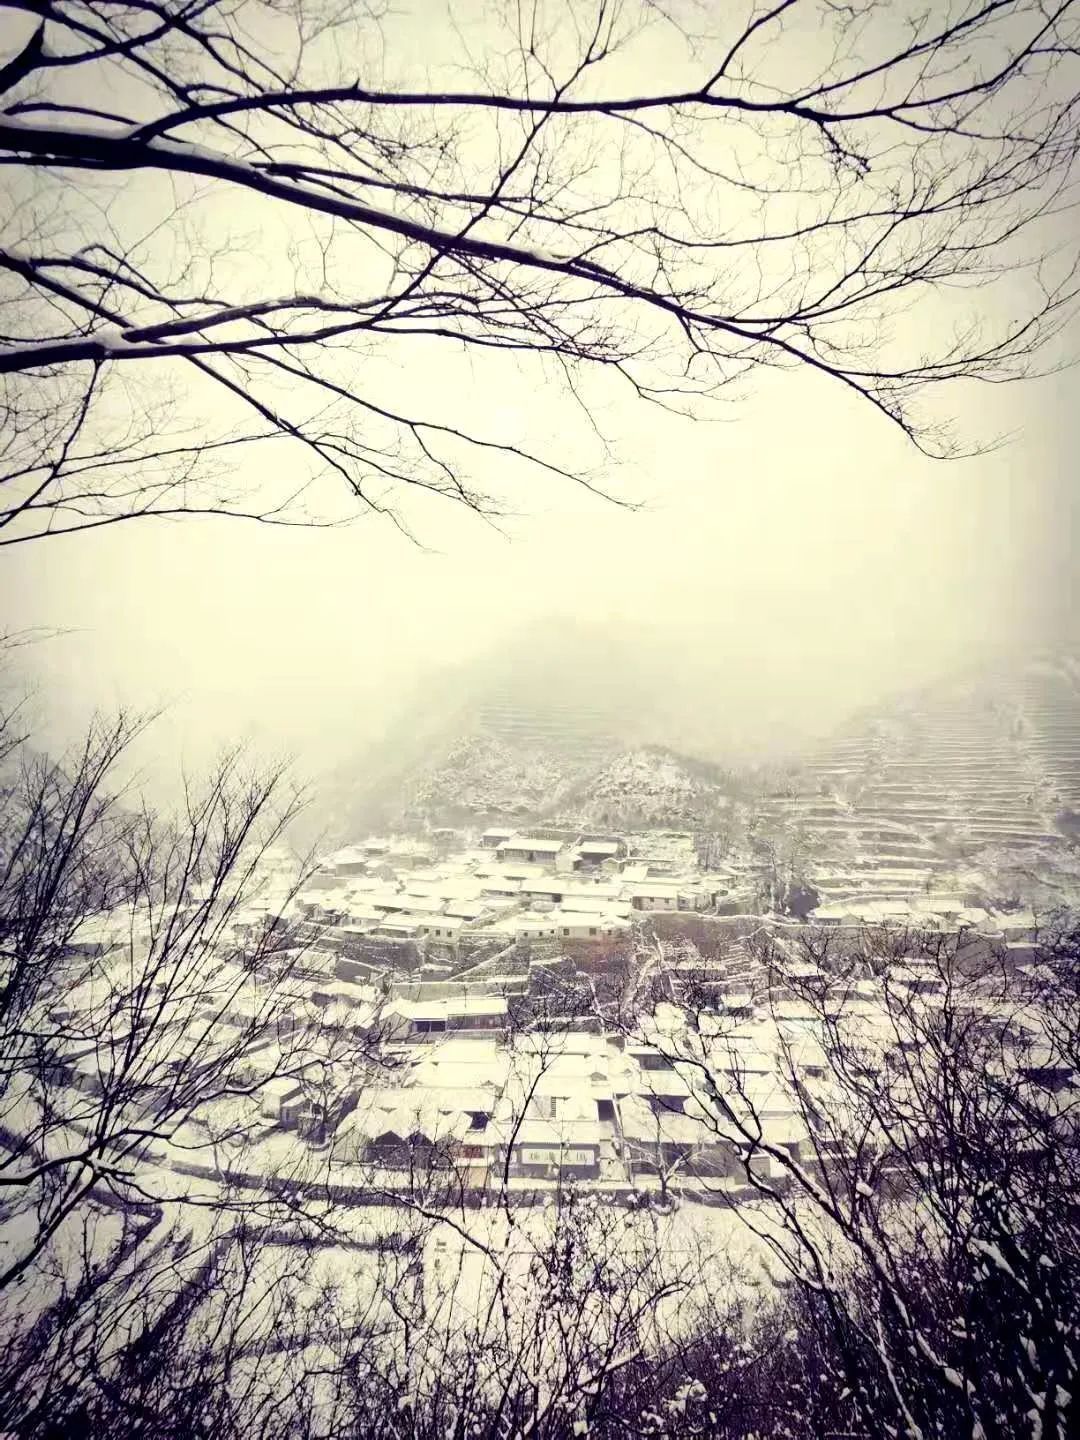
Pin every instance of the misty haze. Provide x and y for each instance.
(539, 719)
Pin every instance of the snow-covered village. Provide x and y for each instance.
(497, 980)
(514, 1003)
(539, 720)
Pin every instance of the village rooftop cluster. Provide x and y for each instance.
(443, 894)
(453, 1089)
(419, 962)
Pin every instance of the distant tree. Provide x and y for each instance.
(715, 843)
(801, 901)
(782, 849)
(675, 196)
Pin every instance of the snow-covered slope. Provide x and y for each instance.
(651, 785)
(509, 736)
(910, 796)
(484, 777)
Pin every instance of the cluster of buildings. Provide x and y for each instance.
(449, 904)
(441, 896)
(491, 1107)
(414, 960)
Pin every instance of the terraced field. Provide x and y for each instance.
(894, 802)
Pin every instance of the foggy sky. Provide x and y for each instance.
(801, 557)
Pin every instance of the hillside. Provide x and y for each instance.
(944, 785)
(487, 777)
(573, 777)
(564, 722)
(929, 790)
(652, 785)
(510, 735)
